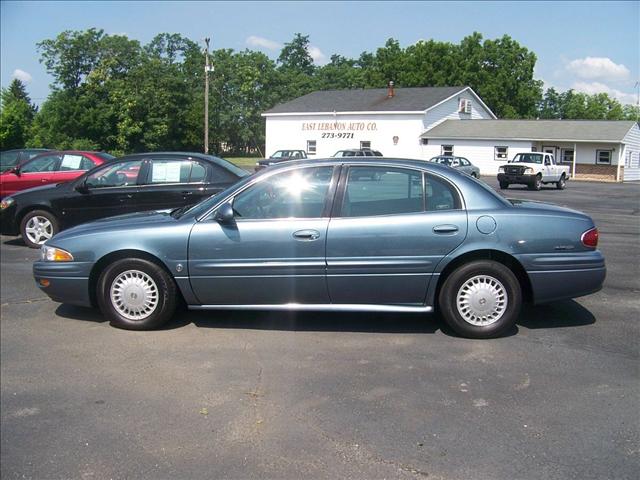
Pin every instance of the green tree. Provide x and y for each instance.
(16, 116)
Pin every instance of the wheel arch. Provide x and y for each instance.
(30, 208)
(111, 257)
(499, 256)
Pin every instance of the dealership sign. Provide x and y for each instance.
(339, 126)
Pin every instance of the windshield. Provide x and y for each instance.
(104, 156)
(8, 159)
(527, 158)
(281, 154)
(441, 160)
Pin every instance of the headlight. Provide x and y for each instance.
(53, 254)
(528, 170)
(500, 169)
(6, 203)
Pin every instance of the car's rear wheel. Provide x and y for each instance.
(136, 294)
(37, 227)
(504, 185)
(562, 183)
(481, 299)
(536, 184)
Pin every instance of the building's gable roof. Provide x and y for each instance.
(568, 130)
(367, 100)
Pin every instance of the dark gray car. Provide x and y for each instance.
(459, 163)
(319, 235)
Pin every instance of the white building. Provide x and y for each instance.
(429, 121)
(387, 120)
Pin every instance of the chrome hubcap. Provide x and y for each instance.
(482, 300)
(134, 295)
(39, 230)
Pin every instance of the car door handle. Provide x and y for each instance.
(187, 192)
(445, 229)
(306, 235)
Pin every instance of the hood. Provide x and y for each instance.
(546, 207)
(40, 189)
(129, 221)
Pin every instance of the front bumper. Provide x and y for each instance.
(525, 179)
(68, 282)
(8, 224)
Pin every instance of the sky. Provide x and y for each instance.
(588, 46)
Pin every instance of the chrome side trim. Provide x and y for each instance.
(346, 307)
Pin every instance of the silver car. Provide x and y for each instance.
(459, 163)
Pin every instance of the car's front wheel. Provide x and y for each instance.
(37, 227)
(136, 294)
(481, 299)
(536, 184)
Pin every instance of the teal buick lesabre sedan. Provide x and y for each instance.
(339, 234)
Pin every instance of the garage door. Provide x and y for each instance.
(632, 167)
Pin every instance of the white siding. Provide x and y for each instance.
(288, 132)
(631, 154)
(479, 152)
(449, 111)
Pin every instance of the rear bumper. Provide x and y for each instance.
(67, 282)
(512, 178)
(562, 276)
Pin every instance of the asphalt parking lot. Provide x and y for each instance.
(273, 395)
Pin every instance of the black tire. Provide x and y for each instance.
(144, 271)
(537, 183)
(504, 185)
(47, 227)
(508, 285)
(562, 183)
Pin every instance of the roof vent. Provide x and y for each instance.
(390, 92)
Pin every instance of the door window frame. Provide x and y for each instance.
(326, 210)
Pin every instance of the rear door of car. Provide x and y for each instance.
(72, 166)
(172, 181)
(387, 235)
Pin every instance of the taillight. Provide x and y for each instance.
(590, 238)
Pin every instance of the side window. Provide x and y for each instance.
(382, 191)
(464, 162)
(298, 194)
(169, 171)
(198, 173)
(441, 195)
(86, 164)
(74, 162)
(118, 174)
(48, 163)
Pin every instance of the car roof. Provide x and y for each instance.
(387, 161)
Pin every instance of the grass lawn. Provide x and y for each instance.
(244, 162)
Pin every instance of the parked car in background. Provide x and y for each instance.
(12, 158)
(49, 167)
(533, 169)
(280, 156)
(146, 181)
(459, 163)
(423, 236)
(358, 152)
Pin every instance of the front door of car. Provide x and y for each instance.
(273, 251)
(34, 173)
(105, 192)
(387, 234)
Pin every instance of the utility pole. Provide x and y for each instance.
(207, 68)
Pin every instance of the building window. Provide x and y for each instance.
(424, 141)
(464, 106)
(501, 153)
(365, 144)
(566, 155)
(311, 147)
(447, 150)
(603, 157)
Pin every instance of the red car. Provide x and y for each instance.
(50, 167)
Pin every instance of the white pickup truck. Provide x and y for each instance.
(533, 169)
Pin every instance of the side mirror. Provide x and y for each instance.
(82, 187)
(16, 170)
(224, 214)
